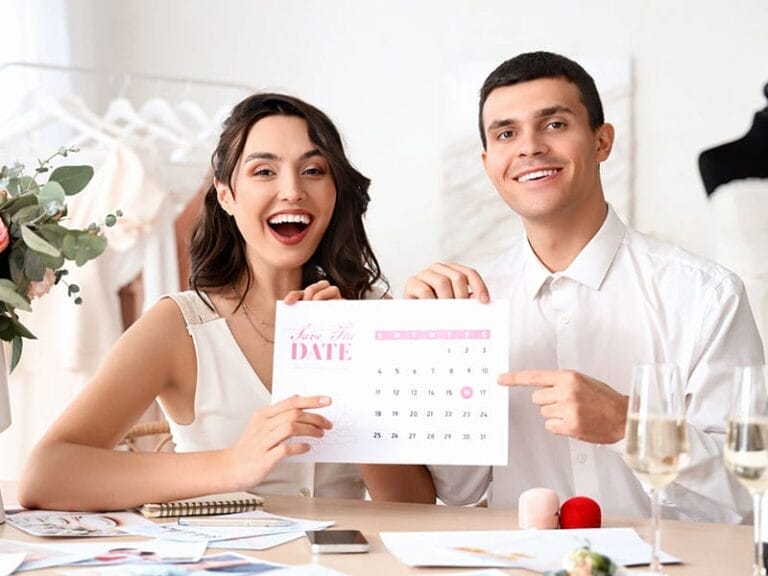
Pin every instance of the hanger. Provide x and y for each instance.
(47, 110)
(185, 126)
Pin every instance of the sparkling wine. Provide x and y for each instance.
(655, 447)
(746, 452)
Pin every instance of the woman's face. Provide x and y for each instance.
(283, 195)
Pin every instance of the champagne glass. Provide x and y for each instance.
(656, 436)
(746, 444)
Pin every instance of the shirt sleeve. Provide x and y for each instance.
(460, 485)
(728, 337)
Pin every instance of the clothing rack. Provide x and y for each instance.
(126, 76)
(98, 92)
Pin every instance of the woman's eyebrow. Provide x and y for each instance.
(270, 156)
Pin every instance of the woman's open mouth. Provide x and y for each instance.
(290, 228)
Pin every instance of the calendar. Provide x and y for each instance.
(412, 381)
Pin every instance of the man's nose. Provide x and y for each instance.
(531, 143)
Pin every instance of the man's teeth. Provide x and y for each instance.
(536, 175)
(290, 219)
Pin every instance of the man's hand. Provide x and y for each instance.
(446, 281)
(574, 405)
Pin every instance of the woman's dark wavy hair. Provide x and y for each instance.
(344, 256)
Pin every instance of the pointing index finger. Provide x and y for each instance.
(528, 378)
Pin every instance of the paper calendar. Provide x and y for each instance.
(412, 381)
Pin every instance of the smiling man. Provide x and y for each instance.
(590, 298)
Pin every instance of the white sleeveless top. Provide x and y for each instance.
(227, 394)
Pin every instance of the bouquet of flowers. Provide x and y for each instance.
(34, 243)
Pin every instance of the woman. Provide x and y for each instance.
(282, 220)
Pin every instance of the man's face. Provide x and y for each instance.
(542, 154)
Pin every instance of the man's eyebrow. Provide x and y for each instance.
(269, 156)
(552, 110)
(543, 113)
(500, 123)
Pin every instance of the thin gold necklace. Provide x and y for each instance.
(248, 316)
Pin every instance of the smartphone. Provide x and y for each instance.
(337, 541)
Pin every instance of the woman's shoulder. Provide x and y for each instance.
(195, 307)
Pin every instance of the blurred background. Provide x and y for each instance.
(400, 79)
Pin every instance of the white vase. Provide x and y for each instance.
(5, 412)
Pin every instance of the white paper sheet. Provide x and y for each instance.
(538, 550)
(307, 570)
(74, 524)
(37, 556)
(9, 563)
(411, 381)
(217, 533)
(146, 551)
(258, 542)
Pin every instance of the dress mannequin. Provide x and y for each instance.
(746, 157)
(738, 172)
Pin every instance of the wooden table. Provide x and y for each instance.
(706, 549)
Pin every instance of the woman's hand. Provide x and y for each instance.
(262, 444)
(322, 290)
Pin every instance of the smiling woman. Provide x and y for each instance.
(282, 220)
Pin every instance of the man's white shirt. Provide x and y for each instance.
(626, 299)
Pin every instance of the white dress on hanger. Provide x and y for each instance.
(73, 340)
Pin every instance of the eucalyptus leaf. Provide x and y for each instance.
(9, 295)
(72, 178)
(7, 331)
(88, 247)
(16, 265)
(34, 269)
(28, 184)
(26, 214)
(53, 233)
(16, 348)
(51, 192)
(20, 202)
(22, 330)
(35, 264)
(35, 242)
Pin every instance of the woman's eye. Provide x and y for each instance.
(263, 172)
(314, 171)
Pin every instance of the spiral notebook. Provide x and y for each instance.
(229, 503)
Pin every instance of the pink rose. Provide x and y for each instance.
(5, 238)
(42, 287)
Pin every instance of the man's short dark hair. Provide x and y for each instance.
(534, 65)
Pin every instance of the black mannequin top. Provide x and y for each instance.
(746, 157)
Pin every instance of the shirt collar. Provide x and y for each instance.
(591, 264)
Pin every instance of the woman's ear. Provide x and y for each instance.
(223, 195)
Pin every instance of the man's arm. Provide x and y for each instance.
(727, 338)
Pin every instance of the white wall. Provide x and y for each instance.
(378, 70)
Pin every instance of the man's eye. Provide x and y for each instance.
(505, 135)
(556, 125)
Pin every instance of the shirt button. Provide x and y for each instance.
(581, 458)
(565, 319)
(305, 492)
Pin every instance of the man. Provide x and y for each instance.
(590, 298)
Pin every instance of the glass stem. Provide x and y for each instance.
(758, 569)
(656, 519)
